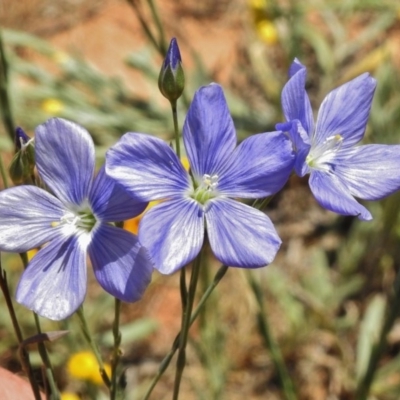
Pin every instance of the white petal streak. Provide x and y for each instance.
(26, 217)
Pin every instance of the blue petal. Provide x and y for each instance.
(208, 132)
(65, 159)
(258, 167)
(239, 235)
(345, 111)
(26, 217)
(121, 264)
(332, 194)
(54, 284)
(173, 232)
(295, 101)
(146, 167)
(111, 202)
(370, 172)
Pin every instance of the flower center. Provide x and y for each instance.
(207, 188)
(323, 153)
(81, 220)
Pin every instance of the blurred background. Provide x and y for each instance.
(96, 62)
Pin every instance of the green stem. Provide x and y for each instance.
(167, 359)
(156, 17)
(116, 351)
(144, 26)
(55, 394)
(5, 102)
(270, 343)
(176, 129)
(24, 355)
(3, 173)
(93, 346)
(181, 361)
(365, 383)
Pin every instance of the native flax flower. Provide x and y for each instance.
(173, 231)
(73, 221)
(338, 169)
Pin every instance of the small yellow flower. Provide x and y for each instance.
(83, 365)
(52, 106)
(69, 396)
(258, 4)
(31, 253)
(267, 32)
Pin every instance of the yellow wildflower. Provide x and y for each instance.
(60, 57)
(83, 365)
(52, 106)
(267, 31)
(69, 396)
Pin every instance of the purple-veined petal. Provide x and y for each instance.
(121, 264)
(258, 167)
(208, 133)
(146, 167)
(173, 232)
(239, 235)
(345, 111)
(54, 284)
(65, 159)
(371, 172)
(111, 202)
(26, 217)
(332, 194)
(302, 145)
(295, 101)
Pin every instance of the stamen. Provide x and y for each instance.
(210, 182)
(324, 152)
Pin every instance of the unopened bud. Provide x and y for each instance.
(23, 162)
(171, 80)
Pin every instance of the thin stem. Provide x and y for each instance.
(5, 102)
(167, 359)
(270, 343)
(24, 355)
(156, 17)
(176, 129)
(146, 29)
(93, 346)
(365, 383)
(55, 395)
(116, 351)
(181, 361)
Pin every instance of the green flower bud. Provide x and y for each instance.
(171, 80)
(23, 162)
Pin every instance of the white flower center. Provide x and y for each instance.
(77, 220)
(322, 154)
(207, 188)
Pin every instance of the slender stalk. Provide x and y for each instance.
(116, 351)
(93, 346)
(181, 361)
(167, 359)
(156, 17)
(144, 26)
(365, 383)
(270, 343)
(5, 102)
(55, 395)
(23, 354)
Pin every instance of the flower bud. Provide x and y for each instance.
(171, 80)
(23, 162)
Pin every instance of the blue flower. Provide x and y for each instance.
(174, 230)
(339, 170)
(74, 221)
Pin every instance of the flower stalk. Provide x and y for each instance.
(183, 337)
(116, 350)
